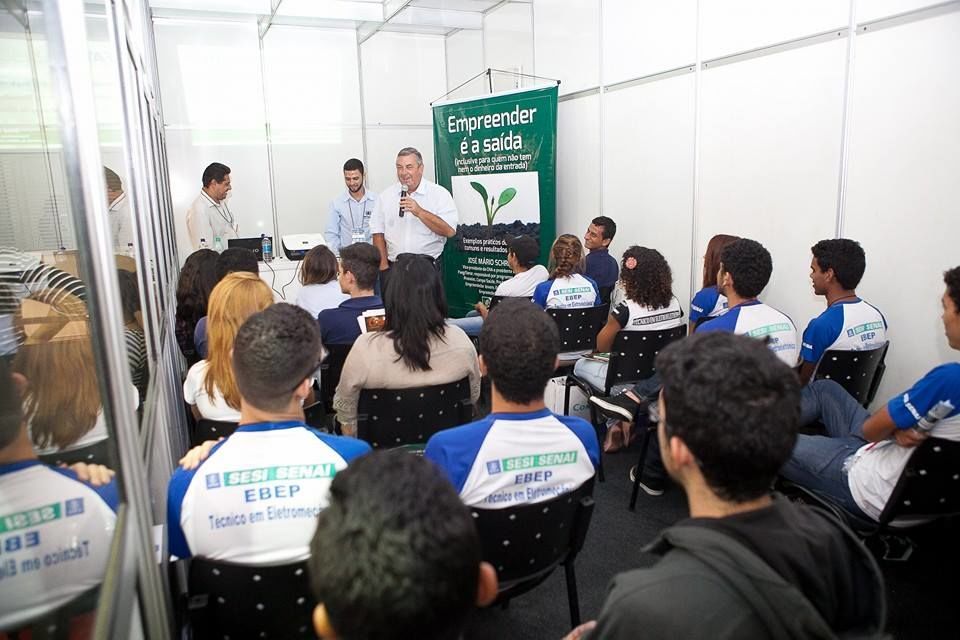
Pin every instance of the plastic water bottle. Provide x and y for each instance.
(218, 244)
(266, 247)
(204, 244)
(130, 251)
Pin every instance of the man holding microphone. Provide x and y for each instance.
(413, 216)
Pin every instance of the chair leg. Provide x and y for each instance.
(640, 464)
(601, 434)
(572, 598)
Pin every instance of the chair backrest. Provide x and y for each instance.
(211, 430)
(605, 293)
(579, 327)
(388, 418)
(97, 453)
(526, 543)
(229, 600)
(856, 371)
(495, 300)
(929, 485)
(633, 354)
(330, 370)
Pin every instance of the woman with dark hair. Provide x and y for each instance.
(198, 277)
(708, 302)
(133, 331)
(649, 306)
(416, 347)
(567, 287)
(321, 289)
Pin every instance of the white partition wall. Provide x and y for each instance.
(578, 164)
(903, 199)
(508, 43)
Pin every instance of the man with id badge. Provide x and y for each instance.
(210, 221)
(348, 221)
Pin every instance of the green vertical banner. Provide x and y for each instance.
(497, 156)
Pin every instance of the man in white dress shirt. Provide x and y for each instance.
(418, 223)
(118, 211)
(209, 217)
(348, 220)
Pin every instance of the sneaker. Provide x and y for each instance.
(652, 486)
(620, 407)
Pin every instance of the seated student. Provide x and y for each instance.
(210, 387)
(318, 275)
(359, 268)
(48, 513)
(274, 357)
(62, 402)
(522, 254)
(416, 347)
(860, 460)
(649, 305)
(709, 302)
(849, 323)
(198, 277)
(234, 259)
(385, 563)
(518, 351)
(745, 564)
(599, 265)
(133, 331)
(567, 287)
(745, 268)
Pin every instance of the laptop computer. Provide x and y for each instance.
(253, 244)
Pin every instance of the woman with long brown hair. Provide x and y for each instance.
(568, 287)
(210, 388)
(708, 302)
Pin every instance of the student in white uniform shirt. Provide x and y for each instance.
(57, 525)
(321, 288)
(522, 254)
(225, 508)
(348, 218)
(568, 287)
(118, 212)
(210, 217)
(418, 223)
(849, 323)
(490, 461)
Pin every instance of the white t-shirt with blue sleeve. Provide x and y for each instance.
(707, 303)
(876, 467)
(757, 320)
(509, 459)
(846, 325)
(575, 291)
(55, 536)
(256, 498)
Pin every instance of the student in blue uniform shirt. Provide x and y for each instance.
(849, 323)
(745, 269)
(255, 498)
(488, 460)
(568, 287)
(708, 302)
(860, 460)
(57, 524)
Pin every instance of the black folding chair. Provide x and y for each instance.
(330, 370)
(227, 600)
(211, 430)
(97, 453)
(390, 418)
(527, 543)
(631, 360)
(928, 489)
(495, 300)
(60, 623)
(579, 328)
(859, 372)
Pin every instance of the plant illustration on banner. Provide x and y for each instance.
(492, 207)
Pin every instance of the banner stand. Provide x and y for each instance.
(496, 154)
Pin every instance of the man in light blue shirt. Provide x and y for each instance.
(348, 220)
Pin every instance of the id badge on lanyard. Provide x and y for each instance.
(358, 235)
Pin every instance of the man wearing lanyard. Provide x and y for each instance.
(413, 216)
(349, 218)
(209, 217)
(118, 211)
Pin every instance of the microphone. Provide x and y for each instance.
(403, 194)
